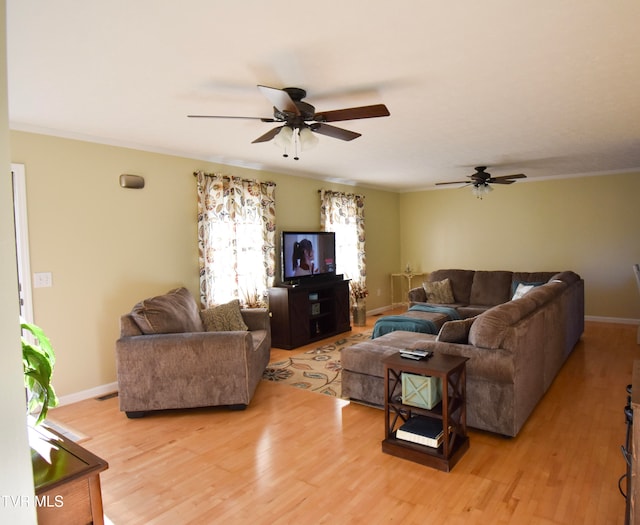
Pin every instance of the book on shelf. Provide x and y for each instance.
(422, 430)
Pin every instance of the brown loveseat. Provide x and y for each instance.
(515, 348)
(172, 355)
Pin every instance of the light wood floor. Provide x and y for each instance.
(299, 457)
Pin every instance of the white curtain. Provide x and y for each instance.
(343, 213)
(236, 238)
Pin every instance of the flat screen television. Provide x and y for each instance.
(308, 255)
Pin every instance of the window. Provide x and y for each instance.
(236, 237)
(343, 213)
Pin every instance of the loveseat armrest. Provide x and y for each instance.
(256, 318)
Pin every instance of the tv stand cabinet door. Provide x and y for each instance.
(289, 317)
(341, 306)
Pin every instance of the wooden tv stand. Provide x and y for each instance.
(308, 312)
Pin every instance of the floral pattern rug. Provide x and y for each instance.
(317, 370)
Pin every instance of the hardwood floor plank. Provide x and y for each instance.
(299, 457)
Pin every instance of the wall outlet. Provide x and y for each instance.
(42, 280)
(378, 292)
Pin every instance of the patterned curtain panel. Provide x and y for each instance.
(343, 213)
(236, 238)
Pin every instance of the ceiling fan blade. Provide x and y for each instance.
(454, 182)
(516, 176)
(377, 110)
(268, 135)
(263, 119)
(500, 181)
(334, 132)
(280, 99)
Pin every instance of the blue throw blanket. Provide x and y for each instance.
(452, 313)
(391, 323)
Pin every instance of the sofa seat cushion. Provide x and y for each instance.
(366, 358)
(472, 310)
(174, 312)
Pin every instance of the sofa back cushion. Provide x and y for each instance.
(174, 312)
(491, 287)
(460, 281)
(489, 330)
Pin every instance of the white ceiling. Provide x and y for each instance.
(550, 88)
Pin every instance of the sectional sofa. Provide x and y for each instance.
(515, 347)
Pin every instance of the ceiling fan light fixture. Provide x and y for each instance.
(308, 139)
(481, 189)
(284, 138)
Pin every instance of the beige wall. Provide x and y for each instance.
(588, 224)
(109, 247)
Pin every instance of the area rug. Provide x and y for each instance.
(317, 370)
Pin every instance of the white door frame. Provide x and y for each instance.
(22, 240)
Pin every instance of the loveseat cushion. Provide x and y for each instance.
(174, 312)
(224, 318)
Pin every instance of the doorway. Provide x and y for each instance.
(19, 184)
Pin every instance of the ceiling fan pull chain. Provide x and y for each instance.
(296, 142)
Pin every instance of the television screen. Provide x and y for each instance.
(308, 254)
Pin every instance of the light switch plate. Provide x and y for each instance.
(42, 280)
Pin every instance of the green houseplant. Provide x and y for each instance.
(38, 360)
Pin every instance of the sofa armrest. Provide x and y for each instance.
(417, 295)
(256, 318)
(491, 364)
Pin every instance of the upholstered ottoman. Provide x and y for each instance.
(426, 319)
(362, 368)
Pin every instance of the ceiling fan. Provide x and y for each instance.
(481, 181)
(299, 118)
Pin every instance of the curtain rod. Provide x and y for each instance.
(343, 193)
(229, 177)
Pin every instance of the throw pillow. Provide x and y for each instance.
(174, 312)
(522, 288)
(224, 318)
(456, 331)
(439, 292)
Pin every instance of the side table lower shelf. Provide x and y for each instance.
(430, 457)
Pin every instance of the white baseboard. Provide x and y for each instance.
(618, 320)
(88, 394)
